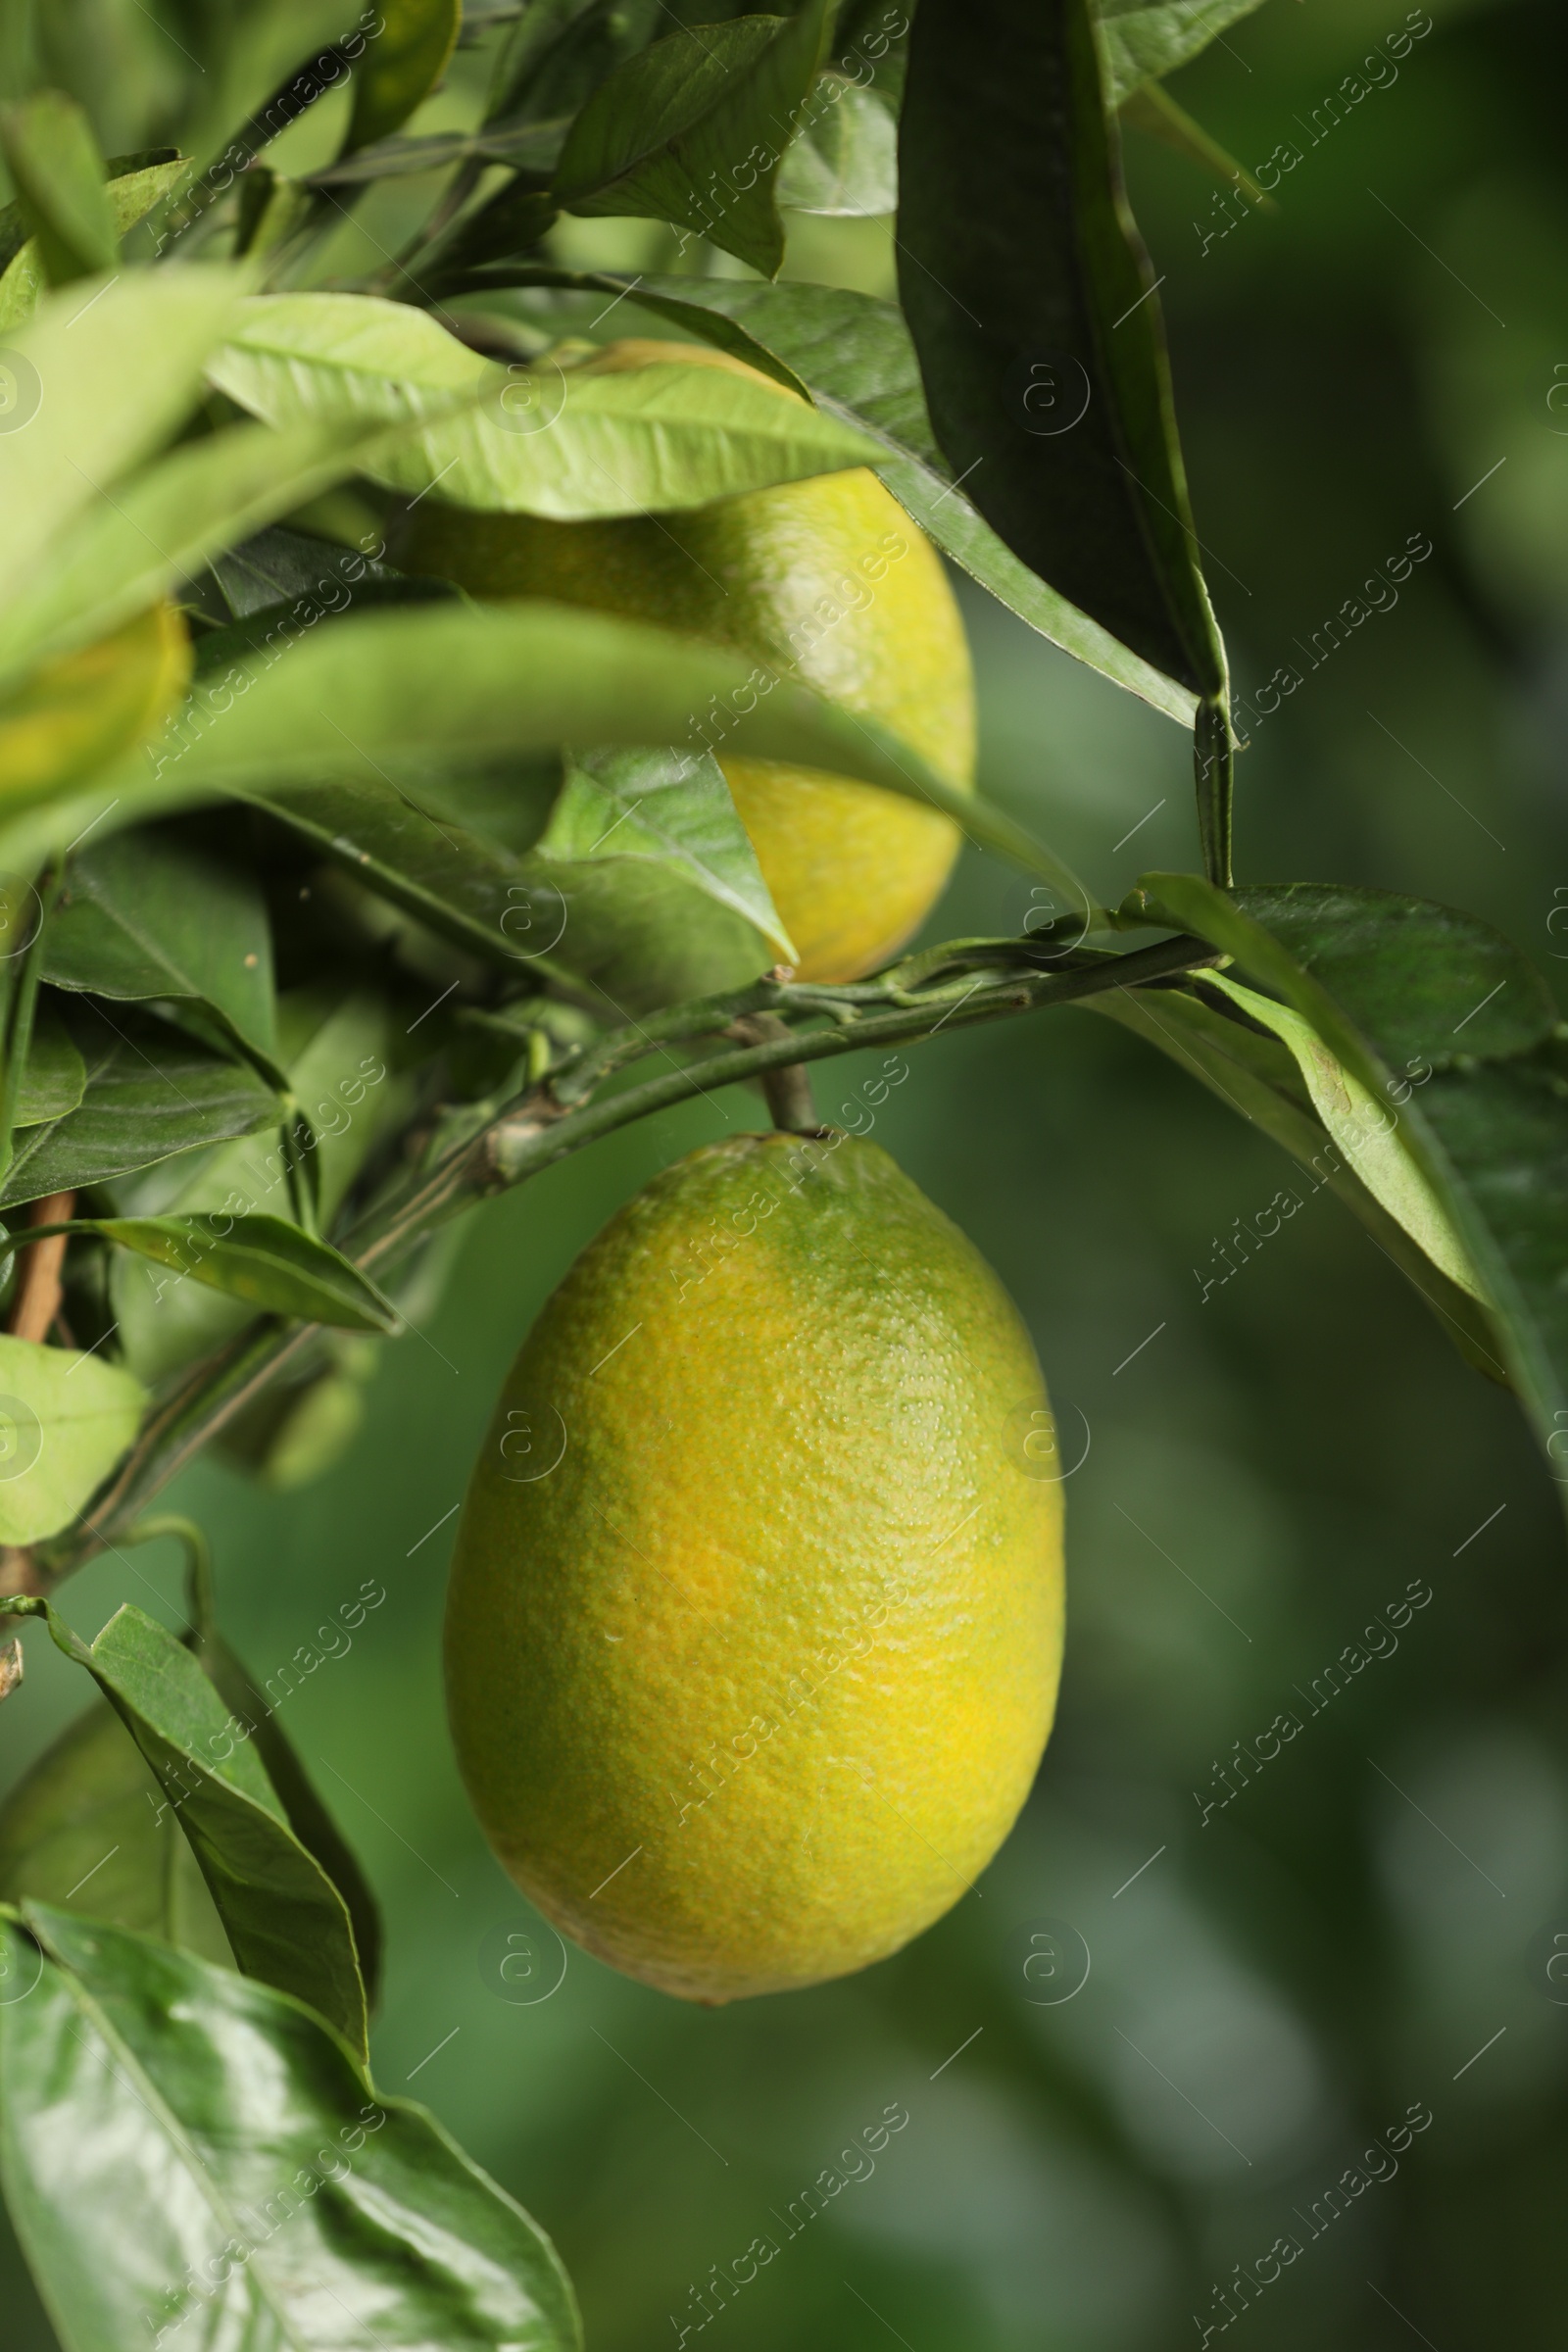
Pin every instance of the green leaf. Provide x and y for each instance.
(1437, 1014)
(135, 184)
(527, 147)
(438, 692)
(672, 808)
(285, 1921)
(439, 689)
(641, 932)
(151, 1092)
(270, 1263)
(853, 355)
(1141, 43)
(334, 1048)
(147, 916)
(88, 1829)
(56, 1076)
(845, 162)
(57, 171)
(146, 335)
(143, 541)
(229, 2165)
(308, 1818)
(587, 441)
(693, 130)
(249, 56)
(1152, 110)
(1041, 346)
(1254, 1076)
(1366, 1129)
(402, 65)
(65, 1421)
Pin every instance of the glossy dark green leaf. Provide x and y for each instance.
(57, 169)
(185, 2149)
(854, 355)
(56, 1076)
(65, 1421)
(693, 131)
(402, 65)
(284, 1918)
(1033, 307)
(308, 1817)
(1440, 1016)
(270, 1263)
(146, 915)
(1142, 42)
(151, 1092)
(562, 442)
(88, 1829)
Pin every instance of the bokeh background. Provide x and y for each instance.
(1365, 1929)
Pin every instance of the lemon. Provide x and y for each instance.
(756, 1616)
(830, 583)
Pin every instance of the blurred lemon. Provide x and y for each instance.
(828, 583)
(756, 1616)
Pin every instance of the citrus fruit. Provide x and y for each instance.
(828, 583)
(756, 1614)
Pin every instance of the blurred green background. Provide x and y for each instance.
(1270, 1991)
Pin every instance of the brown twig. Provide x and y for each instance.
(10, 1667)
(38, 1286)
(787, 1090)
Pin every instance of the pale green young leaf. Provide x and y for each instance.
(65, 440)
(65, 1421)
(560, 442)
(133, 195)
(57, 169)
(128, 549)
(1368, 1131)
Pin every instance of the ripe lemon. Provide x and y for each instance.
(755, 1615)
(827, 581)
